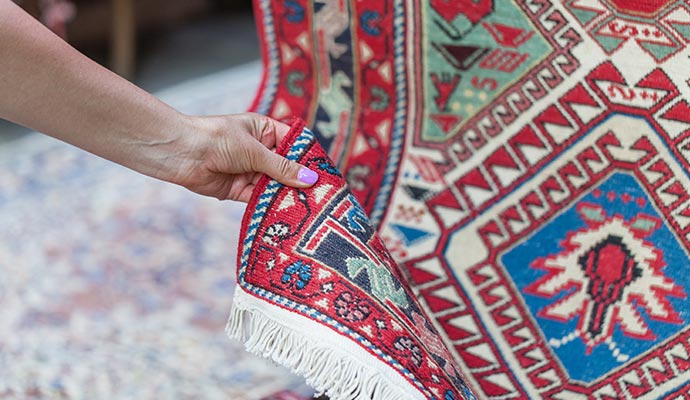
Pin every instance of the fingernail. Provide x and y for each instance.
(307, 176)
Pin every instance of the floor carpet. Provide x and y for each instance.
(114, 285)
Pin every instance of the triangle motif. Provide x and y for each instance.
(410, 235)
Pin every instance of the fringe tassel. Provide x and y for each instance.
(328, 370)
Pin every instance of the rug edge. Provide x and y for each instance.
(338, 373)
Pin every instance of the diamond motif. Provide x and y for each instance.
(597, 285)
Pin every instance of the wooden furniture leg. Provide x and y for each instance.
(123, 47)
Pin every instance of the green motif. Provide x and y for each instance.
(382, 99)
(468, 65)
(334, 100)
(628, 25)
(381, 280)
(294, 82)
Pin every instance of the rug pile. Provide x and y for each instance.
(318, 292)
(526, 164)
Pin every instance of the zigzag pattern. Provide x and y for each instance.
(530, 149)
(469, 137)
(529, 90)
(547, 139)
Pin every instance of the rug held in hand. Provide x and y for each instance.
(526, 164)
(319, 293)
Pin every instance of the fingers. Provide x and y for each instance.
(281, 130)
(269, 131)
(245, 195)
(285, 171)
(233, 152)
(277, 167)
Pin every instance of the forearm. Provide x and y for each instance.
(49, 86)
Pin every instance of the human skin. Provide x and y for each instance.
(47, 85)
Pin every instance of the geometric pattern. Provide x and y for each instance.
(565, 274)
(526, 164)
(661, 28)
(314, 254)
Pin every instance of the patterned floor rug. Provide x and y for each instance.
(116, 286)
(318, 292)
(526, 163)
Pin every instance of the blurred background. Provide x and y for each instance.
(114, 285)
(154, 43)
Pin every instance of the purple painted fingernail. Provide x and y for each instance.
(307, 176)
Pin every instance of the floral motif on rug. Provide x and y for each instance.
(526, 164)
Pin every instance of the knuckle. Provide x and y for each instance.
(255, 158)
(261, 125)
(284, 166)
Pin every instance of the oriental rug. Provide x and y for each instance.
(318, 292)
(526, 164)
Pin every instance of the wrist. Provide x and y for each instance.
(169, 153)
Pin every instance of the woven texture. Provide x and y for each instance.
(319, 293)
(526, 163)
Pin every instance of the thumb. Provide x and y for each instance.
(287, 172)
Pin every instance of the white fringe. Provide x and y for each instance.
(331, 364)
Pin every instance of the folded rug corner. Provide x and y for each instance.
(318, 293)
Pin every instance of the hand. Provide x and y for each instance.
(226, 155)
(54, 89)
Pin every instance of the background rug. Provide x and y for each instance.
(526, 163)
(116, 286)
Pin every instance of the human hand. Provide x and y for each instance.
(226, 155)
(51, 87)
